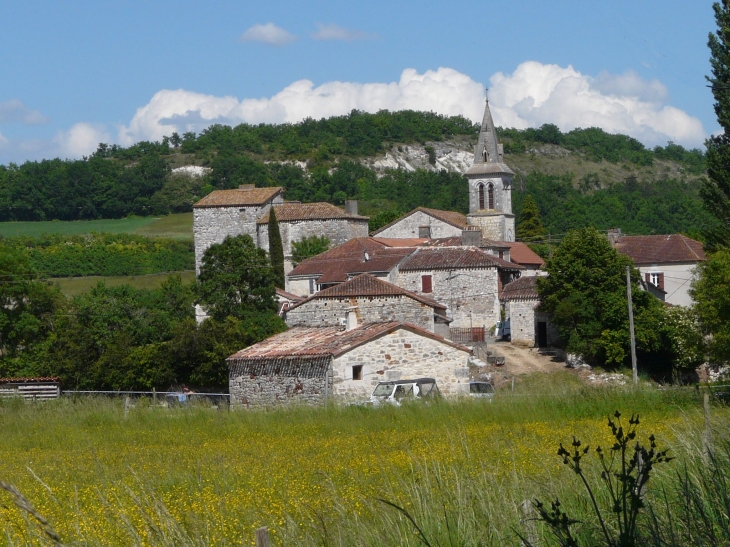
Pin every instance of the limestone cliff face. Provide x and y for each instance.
(450, 156)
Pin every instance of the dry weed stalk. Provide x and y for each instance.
(25, 505)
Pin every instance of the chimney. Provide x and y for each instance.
(424, 231)
(471, 237)
(351, 206)
(351, 318)
(613, 235)
(246, 186)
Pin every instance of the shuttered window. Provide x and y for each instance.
(426, 283)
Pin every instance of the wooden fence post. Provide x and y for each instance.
(262, 537)
(127, 404)
(528, 522)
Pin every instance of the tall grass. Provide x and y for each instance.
(196, 476)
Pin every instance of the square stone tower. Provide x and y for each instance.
(490, 186)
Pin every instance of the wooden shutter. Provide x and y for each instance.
(648, 278)
(426, 283)
(661, 281)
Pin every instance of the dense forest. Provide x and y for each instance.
(115, 182)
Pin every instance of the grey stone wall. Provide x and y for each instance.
(495, 226)
(521, 314)
(265, 382)
(470, 294)
(331, 311)
(399, 356)
(502, 192)
(408, 227)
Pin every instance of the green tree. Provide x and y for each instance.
(585, 292)
(711, 292)
(530, 228)
(716, 191)
(276, 249)
(236, 279)
(308, 247)
(383, 218)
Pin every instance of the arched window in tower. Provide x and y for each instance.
(481, 197)
(491, 196)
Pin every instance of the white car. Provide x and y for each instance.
(397, 391)
(483, 390)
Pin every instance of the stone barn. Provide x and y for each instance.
(528, 325)
(311, 364)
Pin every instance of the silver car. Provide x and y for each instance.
(397, 391)
(484, 390)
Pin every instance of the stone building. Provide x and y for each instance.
(467, 280)
(424, 223)
(245, 210)
(310, 364)
(371, 300)
(667, 263)
(225, 213)
(528, 325)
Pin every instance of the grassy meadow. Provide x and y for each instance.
(72, 286)
(196, 476)
(177, 226)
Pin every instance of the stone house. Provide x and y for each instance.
(311, 364)
(357, 256)
(467, 280)
(234, 212)
(245, 210)
(424, 223)
(285, 300)
(371, 300)
(528, 325)
(667, 263)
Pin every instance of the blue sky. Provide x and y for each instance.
(74, 73)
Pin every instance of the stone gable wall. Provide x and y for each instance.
(401, 355)
(332, 311)
(470, 294)
(408, 227)
(521, 314)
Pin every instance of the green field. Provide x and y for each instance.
(71, 286)
(179, 226)
(195, 476)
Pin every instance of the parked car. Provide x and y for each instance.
(397, 391)
(483, 390)
(502, 330)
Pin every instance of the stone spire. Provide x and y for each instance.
(487, 149)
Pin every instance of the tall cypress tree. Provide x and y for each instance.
(276, 249)
(530, 227)
(716, 191)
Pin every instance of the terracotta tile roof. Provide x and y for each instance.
(659, 249)
(521, 254)
(239, 197)
(367, 285)
(326, 341)
(349, 259)
(442, 258)
(287, 212)
(449, 217)
(288, 295)
(522, 288)
(405, 242)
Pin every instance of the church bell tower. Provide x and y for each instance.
(490, 186)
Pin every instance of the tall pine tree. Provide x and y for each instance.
(716, 191)
(530, 227)
(276, 249)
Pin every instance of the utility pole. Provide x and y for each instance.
(631, 326)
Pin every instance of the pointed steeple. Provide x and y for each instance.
(487, 149)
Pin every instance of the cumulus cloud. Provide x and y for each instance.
(81, 140)
(537, 93)
(532, 95)
(15, 111)
(336, 32)
(268, 34)
(445, 91)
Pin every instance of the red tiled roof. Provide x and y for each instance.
(287, 212)
(239, 197)
(521, 254)
(348, 259)
(327, 341)
(522, 288)
(440, 258)
(405, 242)
(367, 285)
(449, 217)
(659, 249)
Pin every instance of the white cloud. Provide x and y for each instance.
(535, 94)
(15, 111)
(336, 32)
(3, 140)
(532, 95)
(268, 34)
(81, 140)
(445, 91)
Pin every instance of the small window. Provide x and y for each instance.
(426, 283)
(656, 279)
(357, 372)
(501, 255)
(311, 286)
